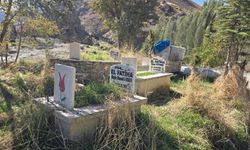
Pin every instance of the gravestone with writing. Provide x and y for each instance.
(123, 76)
(74, 50)
(64, 85)
(157, 64)
(115, 54)
(130, 61)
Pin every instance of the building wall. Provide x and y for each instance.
(87, 71)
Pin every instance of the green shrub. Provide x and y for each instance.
(97, 93)
(96, 55)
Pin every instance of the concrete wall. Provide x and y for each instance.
(148, 84)
(87, 71)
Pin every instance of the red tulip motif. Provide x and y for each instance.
(62, 82)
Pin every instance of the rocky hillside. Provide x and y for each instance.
(89, 20)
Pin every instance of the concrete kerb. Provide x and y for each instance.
(82, 122)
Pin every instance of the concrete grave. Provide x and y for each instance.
(123, 76)
(157, 64)
(130, 61)
(81, 123)
(64, 85)
(74, 49)
(115, 54)
(148, 84)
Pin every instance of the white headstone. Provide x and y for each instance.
(123, 76)
(115, 54)
(74, 50)
(130, 61)
(64, 85)
(145, 61)
(157, 64)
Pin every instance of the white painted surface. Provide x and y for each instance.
(247, 75)
(157, 64)
(123, 76)
(130, 61)
(146, 61)
(64, 85)
(74, 50)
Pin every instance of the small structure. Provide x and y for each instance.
(123, 76)
(115, 54)
(64, 85)
(87, 71)
(173, 55)
(74, 50)
(148, 84)
(157, 64)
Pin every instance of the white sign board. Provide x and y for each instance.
(74, 50)
(130, 61)
(123, 76)
(157, 64)
(115, 54)
(64, 85)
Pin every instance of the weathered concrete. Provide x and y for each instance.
(143, 68)
(82, 123)
(87, 71)
(173, 66)
(146, 85)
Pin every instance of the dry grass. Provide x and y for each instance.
(232, 85)
(226, 102)
(126, 128)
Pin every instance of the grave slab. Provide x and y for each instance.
(64, 85)
(74, 50)
(148, 84)
(81, 123)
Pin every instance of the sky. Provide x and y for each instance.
(200, 2)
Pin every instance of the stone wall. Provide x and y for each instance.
(87, 71)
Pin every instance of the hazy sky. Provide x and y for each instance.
(200, 2)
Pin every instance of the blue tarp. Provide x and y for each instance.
(2, 15)
(161, 45)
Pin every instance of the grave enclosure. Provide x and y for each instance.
(148, 84)
(81, 123)
(78, 123)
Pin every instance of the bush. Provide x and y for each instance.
(97, 93)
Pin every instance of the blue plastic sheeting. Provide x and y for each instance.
(2, 15)
(161, 46)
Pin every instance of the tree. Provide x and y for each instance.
(233, 27)
(125, 17)
(29, 20)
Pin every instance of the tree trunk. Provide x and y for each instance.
(6, 22)
(6, 54)
(227, 61)
(19, 43)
